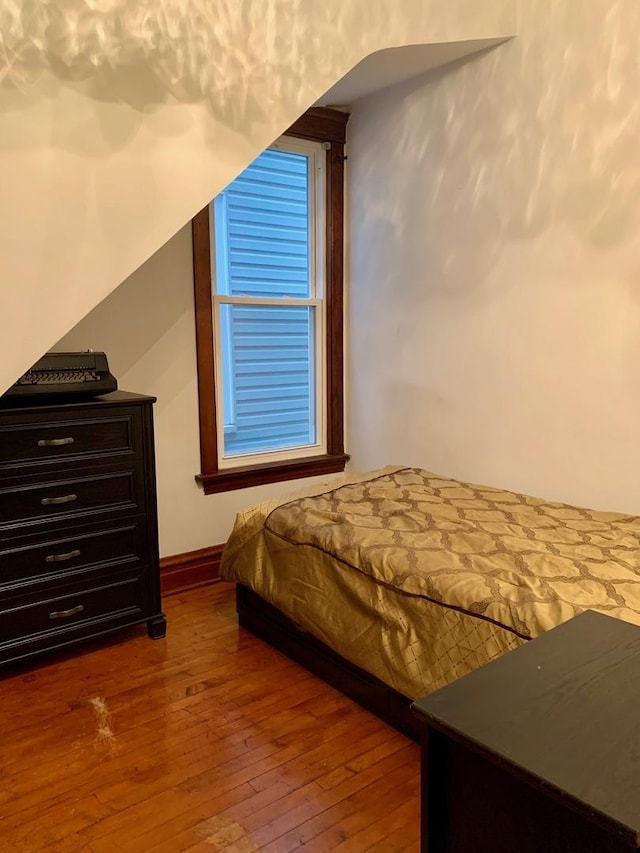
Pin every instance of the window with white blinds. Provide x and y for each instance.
(267, 282)
(269, 304)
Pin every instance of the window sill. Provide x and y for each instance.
(272, 472)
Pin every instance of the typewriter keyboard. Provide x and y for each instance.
(52, 377)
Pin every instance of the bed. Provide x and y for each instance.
(393, 583)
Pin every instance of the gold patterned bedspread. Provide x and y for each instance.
(418, 578)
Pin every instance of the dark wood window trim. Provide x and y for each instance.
(321, 125)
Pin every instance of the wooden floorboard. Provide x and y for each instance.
(208, 740)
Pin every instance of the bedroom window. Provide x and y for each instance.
(268, 298)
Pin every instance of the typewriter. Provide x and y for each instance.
(65, 373)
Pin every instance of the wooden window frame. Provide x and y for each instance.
(319, 124)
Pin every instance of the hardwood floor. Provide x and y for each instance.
(206, 741)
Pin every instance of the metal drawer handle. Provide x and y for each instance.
(65, 499)
(55, 442)
(64, 614)
(59, 558)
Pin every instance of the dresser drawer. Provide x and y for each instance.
(117, 544)
(27, 444)
(53, 500)
(66, 612)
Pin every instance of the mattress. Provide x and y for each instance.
(418, 578)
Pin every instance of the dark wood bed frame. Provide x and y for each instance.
(268, 623)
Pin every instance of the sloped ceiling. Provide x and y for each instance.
(387, 67)
(105, 152)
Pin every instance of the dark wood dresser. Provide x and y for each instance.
(78, 522)
(539, 750)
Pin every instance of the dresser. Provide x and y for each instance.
(78, 522)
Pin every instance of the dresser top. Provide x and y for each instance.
(563, 712)
(60, 402)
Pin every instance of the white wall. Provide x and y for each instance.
(99, 168)
(147, 328)
(108, 148)
(495, 272)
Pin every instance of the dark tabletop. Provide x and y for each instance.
(564, 711)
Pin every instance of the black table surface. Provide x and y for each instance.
(563, 712)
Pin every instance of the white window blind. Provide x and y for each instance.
(267, 305)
